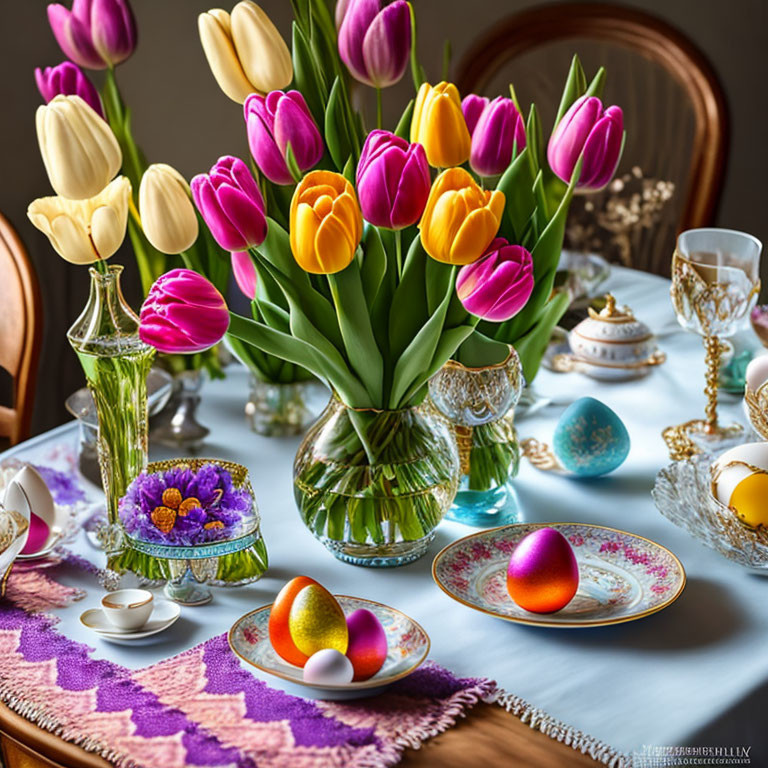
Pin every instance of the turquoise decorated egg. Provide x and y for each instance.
(590, 439)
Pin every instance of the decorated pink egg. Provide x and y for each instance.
(543, 574)
(367, 649)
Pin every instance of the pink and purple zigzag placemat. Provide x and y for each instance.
(201, 708)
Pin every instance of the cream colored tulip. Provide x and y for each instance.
(80, 152)
(245, 51)
(84, 231)
(168, 217)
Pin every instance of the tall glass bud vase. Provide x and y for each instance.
(116, 362)
(480, 403)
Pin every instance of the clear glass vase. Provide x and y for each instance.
(116, 363)
(176, 426)
(374, 485)
(277, 410)
(480, 404)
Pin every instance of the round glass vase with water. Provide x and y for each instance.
(116, 363)
(715, 283)
(373, 485)
(480, 404)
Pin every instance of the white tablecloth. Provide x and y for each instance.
(694, 674)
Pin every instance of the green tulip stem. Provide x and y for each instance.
(399, 253)
(378, 109)
(101, 266)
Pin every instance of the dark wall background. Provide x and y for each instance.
(181, 117)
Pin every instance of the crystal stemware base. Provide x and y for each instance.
(485, 509)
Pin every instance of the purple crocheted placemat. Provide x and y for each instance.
(201, 708)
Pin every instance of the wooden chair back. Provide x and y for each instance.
(674, 111)
(21, 328)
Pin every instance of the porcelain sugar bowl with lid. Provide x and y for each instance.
(613, 344)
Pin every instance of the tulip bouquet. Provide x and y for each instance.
(100, 35)
(379, 256)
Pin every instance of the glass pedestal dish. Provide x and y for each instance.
(238, 556)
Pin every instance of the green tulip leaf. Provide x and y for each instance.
(575, 86)
(533, 344)
(307, 76)
(403, 129)
(420, 351)
(290, 161)
(438, 280)
(534, 137)
(336, 129)
(517, 185)
(408, 311)
(450, 340)
(417, 71)
(355, 323)
(597, 84)
(273, 315)
(349, 171)
(374, 264)
(479, 350)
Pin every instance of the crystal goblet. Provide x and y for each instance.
(715, 282)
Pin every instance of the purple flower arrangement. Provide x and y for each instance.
(183, 507)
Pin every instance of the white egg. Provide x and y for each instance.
(37, 493)
(757, 372)
(754, 454)
(328, 667)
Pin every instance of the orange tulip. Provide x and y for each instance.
(460, 219)
(326, 223)
(438, 125)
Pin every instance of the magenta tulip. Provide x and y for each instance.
(341, 10)
(598, 134)
(183, 313)
(230, 202)
(244, 272)
(95, 34)
(67, 79)
(275, 121)
(375, 42)
(498, 130)
(392, 180)
(472, 107)
(498, 285)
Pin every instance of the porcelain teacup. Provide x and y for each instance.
(128, 608)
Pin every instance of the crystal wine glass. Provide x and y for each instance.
(715, 282)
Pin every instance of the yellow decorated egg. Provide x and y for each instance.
(740, 481)
(316, 621)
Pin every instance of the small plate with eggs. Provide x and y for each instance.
(311, 639)
(720, 500)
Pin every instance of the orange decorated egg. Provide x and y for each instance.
(543, 574)
(279, 633)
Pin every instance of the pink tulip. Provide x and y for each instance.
(341, 9)
(95, 34)
(244, 272)
(498, 130)
(498, 285)
(230, 202)
(67, 79)
(392, 180)
(275, 121)
(472, 106)
(183, 313)
(375, 42)
(589, 130)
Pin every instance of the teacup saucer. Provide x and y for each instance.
(164, 614)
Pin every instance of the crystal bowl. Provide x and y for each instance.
(682, 494)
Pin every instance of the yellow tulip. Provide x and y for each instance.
(80, 152)
(168, 217)
(245, 51)
(438, 125)
(326, 223)
(84, 231)
(460, 219)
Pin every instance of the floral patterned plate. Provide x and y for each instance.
(622, 576)
(407, 643)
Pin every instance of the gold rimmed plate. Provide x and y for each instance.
(622, 576)
(407, 648)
